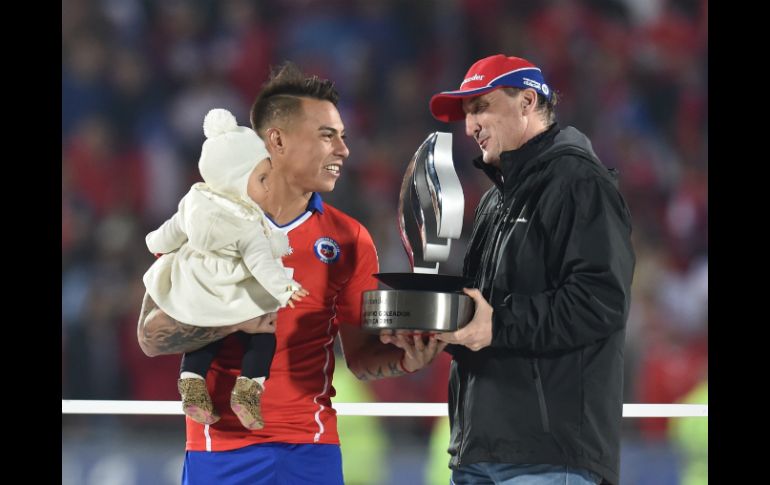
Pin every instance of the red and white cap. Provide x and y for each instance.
(486, 75)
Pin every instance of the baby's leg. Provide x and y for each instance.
(245, 400)
(258, 352)
(199, 361)
(196, 401)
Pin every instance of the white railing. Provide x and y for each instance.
(69, 406)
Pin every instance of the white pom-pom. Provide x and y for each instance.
(217, 122)
(279, 244)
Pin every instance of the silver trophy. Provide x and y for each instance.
(430, 215)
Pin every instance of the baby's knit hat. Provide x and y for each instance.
(229, 154)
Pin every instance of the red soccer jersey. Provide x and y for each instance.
(333, 258)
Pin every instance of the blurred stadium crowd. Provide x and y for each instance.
(138, 77)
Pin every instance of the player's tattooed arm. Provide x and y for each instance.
(390, 368)
(159, 334)
(366, 357)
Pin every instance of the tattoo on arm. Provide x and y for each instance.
(368, 359)
(160, 334)
(390, 369)
(178, 337)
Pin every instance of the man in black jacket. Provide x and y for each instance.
(536, 384)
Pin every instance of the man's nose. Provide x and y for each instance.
(471, 127)
(341, 149)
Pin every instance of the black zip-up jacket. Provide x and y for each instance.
(551, 252)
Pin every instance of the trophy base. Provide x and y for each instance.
(426, 311)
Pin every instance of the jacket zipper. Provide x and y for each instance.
(540, 396)
(487, 263)
(498, 228)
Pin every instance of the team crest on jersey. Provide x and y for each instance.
(327, 250)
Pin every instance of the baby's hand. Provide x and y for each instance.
(297, 296)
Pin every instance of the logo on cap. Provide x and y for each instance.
(529, 82)
(545, 89)
(475, 77)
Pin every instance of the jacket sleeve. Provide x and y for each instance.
(591, 235)
(267, 270)
(168, 237)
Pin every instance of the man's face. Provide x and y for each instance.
(315, 147)
(496, 122)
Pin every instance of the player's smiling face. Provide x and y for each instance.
(315, 147)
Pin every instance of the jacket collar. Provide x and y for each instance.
(514, 162)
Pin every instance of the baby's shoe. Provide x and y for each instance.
(196, 401)
(245, 402)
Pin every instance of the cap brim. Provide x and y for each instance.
(448, 105)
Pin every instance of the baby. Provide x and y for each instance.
(219, 264)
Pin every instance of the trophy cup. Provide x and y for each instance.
(430, 215)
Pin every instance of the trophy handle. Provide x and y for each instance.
(446, 191)
(430, 204)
